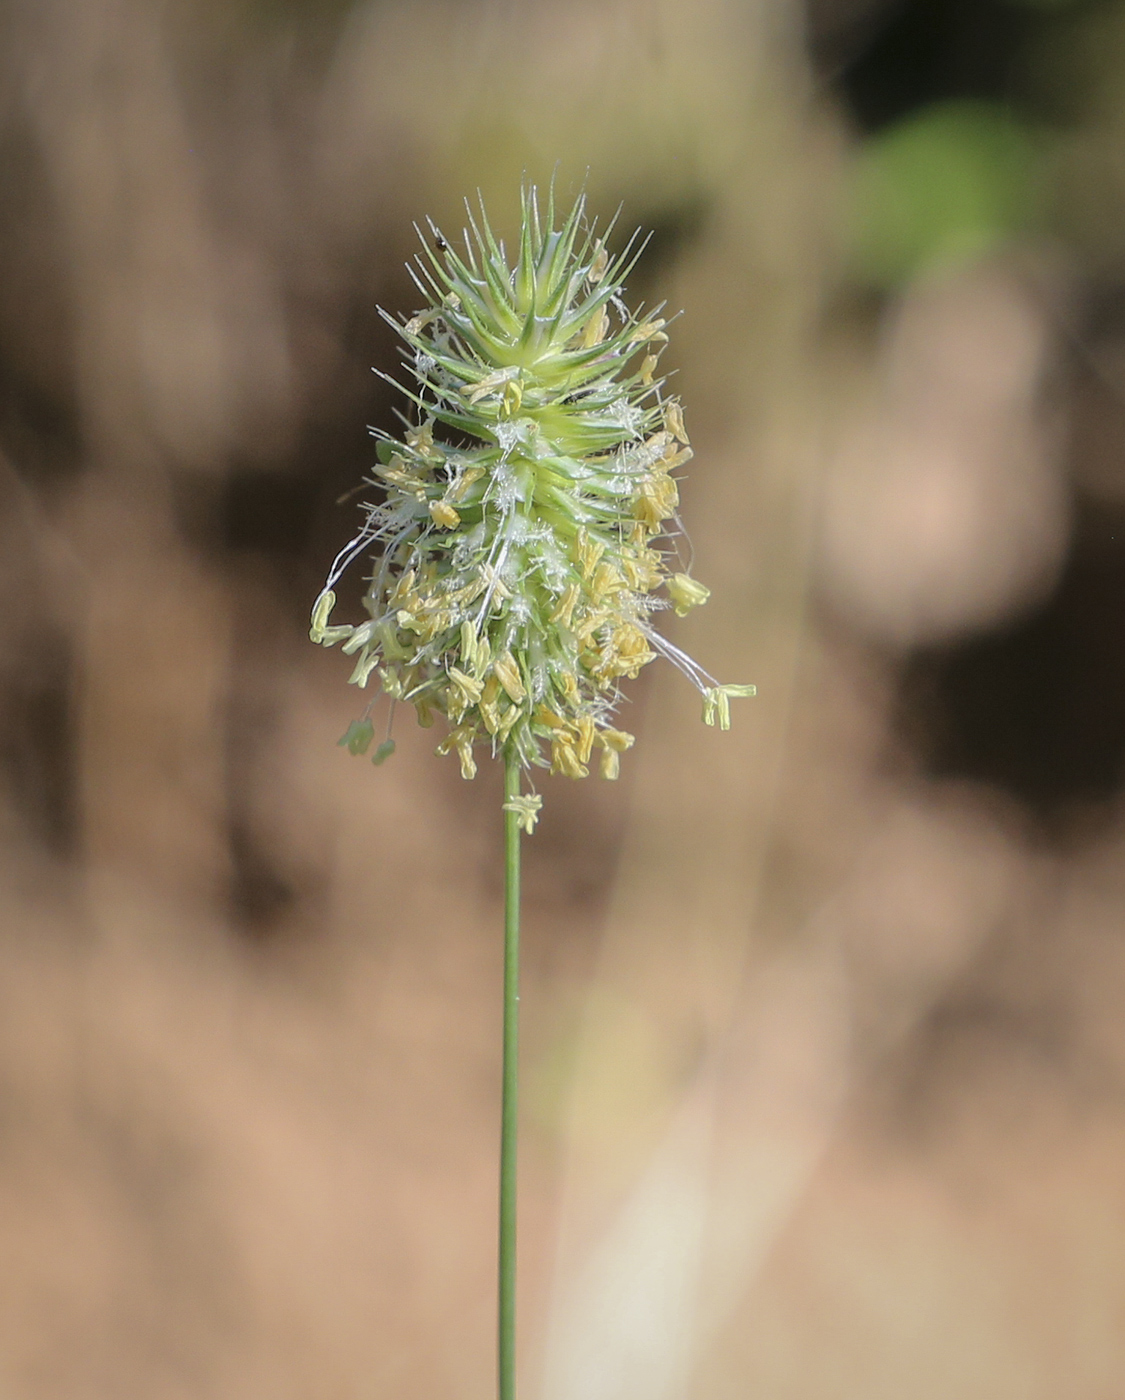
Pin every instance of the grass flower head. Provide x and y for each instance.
(523, 539)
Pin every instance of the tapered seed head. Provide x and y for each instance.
(525, 536)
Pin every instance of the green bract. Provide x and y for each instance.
(518, 544)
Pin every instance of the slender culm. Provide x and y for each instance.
(506, 1341)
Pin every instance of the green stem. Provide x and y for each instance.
(508, 1116)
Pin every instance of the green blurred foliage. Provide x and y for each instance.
(943, 186)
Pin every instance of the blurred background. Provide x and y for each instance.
(824, 1044)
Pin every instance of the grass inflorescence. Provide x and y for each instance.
(525, 538)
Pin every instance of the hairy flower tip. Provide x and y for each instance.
(518, 560)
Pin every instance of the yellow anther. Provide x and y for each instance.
(588, 552)
(651, 330)
(613, 742)
(512, 398)
(320, 631)
(391, 682)
(625, 653)
(406, 481)
(468, 687)
(606, 580)
(437, 623)
(594, 331)
(564, 608)
(419, 322)
(387, 633)
(674, 420)
(629, 640)
(716, 702)
(468, 645)
(711, 707)
(586, 731)
(467, 593)
(641, 569)
(507, 673)
(656, 500)
(489, 706)
(458, 491)
(463, 692)
(564, 760)
(443, 514)
(395, 470)
(359, 638)
(648, 366)
(402, 589)
(495, 582)
(526, 810)
(368, 660)
(461, 739)
(686, 593)
(549, 719)
(599, 265)
(507, 723)
(322, 610)
(593, 620)
(468, 762)
(421, 439)
(491, 383)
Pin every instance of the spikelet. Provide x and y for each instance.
(518, 565)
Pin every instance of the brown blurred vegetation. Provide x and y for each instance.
(823, 1051)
